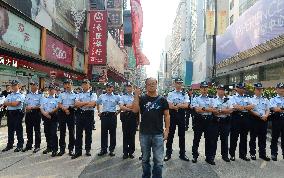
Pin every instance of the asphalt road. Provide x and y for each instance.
(39, 165)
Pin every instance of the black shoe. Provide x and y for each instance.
(186, 129)
(226, 159)
(253, 157)
(61, 153)
(232, 158)
(140, 157)
(184, 157)
(102, 153)
(264, 157)
(274, 157)
(7, 148)
(36, 150)
(194, 160)
(27, 149)
(244, 158)
(76, 155)
(54, 153)
(88, 153)
(111, 154)
(71, 153)
(18, 149)
(46, 151)
(125, 156)
(167, 157)
(210, 161)
(131, 156)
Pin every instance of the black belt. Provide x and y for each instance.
(222, 119)
(17, 110)
(206, 117)
(242, 114)
(108, 113)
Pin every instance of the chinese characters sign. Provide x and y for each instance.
(98, 37)
(19, 33)
(58, 52)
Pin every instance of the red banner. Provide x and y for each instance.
(137, 25)
(98, 37)
(58, 52)
(19, 63)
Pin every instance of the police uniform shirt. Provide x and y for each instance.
(86, 97)
(178, 97)
(15, 96)
(261, 105)
(277, 101)
(109, 102)
(126, 99)
(33, 99)
(240, 100)
(220, 103)
(202, 101)
(49, 104)
(67, 99)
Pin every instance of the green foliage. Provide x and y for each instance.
(212, 91)
(269, 92)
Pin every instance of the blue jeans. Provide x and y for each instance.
(155, 142)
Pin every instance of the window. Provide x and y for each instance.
(231, 19)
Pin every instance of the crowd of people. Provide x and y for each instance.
(227, 117)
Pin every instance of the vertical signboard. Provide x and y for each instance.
(98, 37)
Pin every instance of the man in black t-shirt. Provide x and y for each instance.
(153, 109)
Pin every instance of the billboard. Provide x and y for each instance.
(98, 37)
(18, 32)
(260, 23)
(58, 52)
(66, 18)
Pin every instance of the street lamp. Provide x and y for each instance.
(214, 46)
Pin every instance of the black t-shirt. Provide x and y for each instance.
(152, 119)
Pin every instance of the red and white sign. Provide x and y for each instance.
(98, 37)
(58, 52)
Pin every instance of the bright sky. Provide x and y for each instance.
(158, 17)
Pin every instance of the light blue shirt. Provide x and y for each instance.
(177, 97)
(49, 104)
(33, 99)
(240, 100)
(261, 105)
(109, 102)
(126, 99)
(86, 97)
(277, 101)
(67, 99)
(202, 101)
(15, 96)
(219, 103)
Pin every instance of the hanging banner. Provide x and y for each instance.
(98, 37)
(210, 22)
(18, 33)
(222, 22)
(58, 52)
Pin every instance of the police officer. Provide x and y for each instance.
(178, 102)
(33, 117)
(49, 108)
(189, 111)
(223, 109)
(66, 116)
(204, 108)
(258, 123)
(240, 122)
(85, 103)
(108, 116)
(128, 119)
(15, 114)
(277, 105)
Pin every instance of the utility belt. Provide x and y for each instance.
(33, 111)
(205, 117)
(70, 108)
(127, 114)
(15, 111)
(105, 114)
(241, 114)
(222, 120)
(278, 115)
